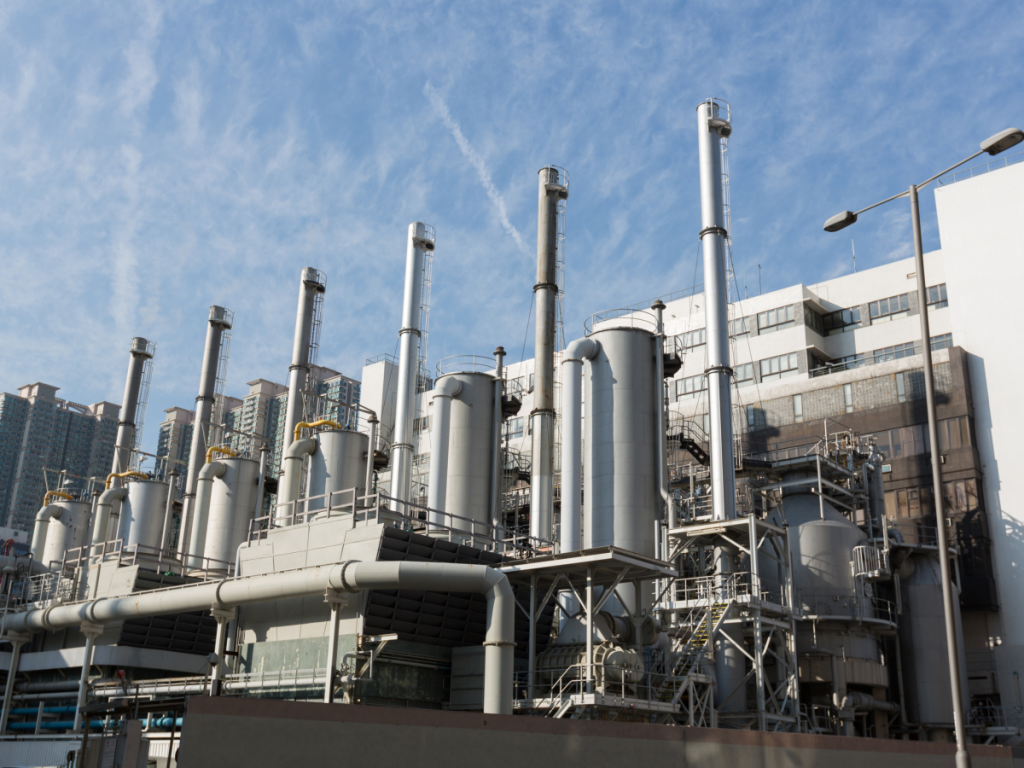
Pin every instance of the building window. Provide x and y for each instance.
(901, 388)
(514, 427)
(813, 321)
(775, 319)
(707, 424)
(841, 321)
(693, 338)
(531, 382)
(937, 297)
(945, 341)
(891, 308)
(420, 459)
(798, 408)
(690, 386)
(421, 424)
(739, 327)
(848, 397)
(780, 367)
(751, 417)
(954, 433)
(897, 352)
(909, 503)
(744, 374)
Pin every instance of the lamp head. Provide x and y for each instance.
(1002, 141)
(840, 221)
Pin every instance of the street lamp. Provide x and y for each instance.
(993, 146)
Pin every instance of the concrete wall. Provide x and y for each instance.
(246, 732)
(982, 232)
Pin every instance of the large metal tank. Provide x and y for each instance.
(470, 450)
(620, 470)
(338, 464)
(232, 505)
(67, 532)
(142, 514)
(922, 636)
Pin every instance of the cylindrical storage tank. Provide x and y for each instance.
(68, 532)
(470, 450)
(232, 505)
(620, 470)
(338, 464)
(142, 514)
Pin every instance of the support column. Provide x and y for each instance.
(17, 640)
(590, 630)
(223, 617)
(91, 632)
(336, 601)
(532, 668)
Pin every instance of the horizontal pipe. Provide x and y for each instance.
(51, 725)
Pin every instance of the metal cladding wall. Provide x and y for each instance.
(231, 508)
(338, 464)
(620, 470)
(68, 532)
(470, 448)
(142, 513)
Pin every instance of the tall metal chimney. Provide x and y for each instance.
(219, 325)
(312, 286)
(552, 187)
(142, 352)
(421, 240)
(713, 126)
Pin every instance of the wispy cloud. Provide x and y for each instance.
(478, 162)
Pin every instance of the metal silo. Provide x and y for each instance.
(142, 514)
(232, 504)
(67, 531)
(620, 471)
(338, 464)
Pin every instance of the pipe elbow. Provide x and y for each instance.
(299, 448)
(48, 513)
(448, 387)
(111, 495)
(212, 470)
(580, 350)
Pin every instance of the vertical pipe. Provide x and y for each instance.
(420, 240)
(332, 651)
(220, 645)
(542, 417)
(712, 127)
(91, 632)
(16, 641)
(440, 432)
(129, 403)
(572, 439)
(496, 457)
(264, 466)
(218, 323)
(168, 510)
(310, 285)
(532, 654)
(660, 421)
(373, 422)
(963, 760)
(590, 630)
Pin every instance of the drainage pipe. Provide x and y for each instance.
(421, 240)
(440, 432)
(572, 439)
(659, 399)
(204, 493)
(312, 283)
(350, 576)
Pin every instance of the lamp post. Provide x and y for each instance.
(993, 146)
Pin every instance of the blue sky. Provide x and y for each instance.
(158, 158)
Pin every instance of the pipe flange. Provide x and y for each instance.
(548, 286)
(719, 369)
(344, 582)
(499, 643)
(712, 230)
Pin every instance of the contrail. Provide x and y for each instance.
(474, 157)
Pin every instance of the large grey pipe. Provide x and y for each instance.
(420, 241)
(542, 417)
(440, 433)
(499, 640)
(218, 323)
(496, 458)
(312, 283)
(711, 129)
(659, 425)
(129, 404)
(572, 439)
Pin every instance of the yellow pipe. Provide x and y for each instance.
(218, 449)
(129, 473)
(322, 423)
(58, 494)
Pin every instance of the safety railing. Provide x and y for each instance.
(846, 606)
(465, 364)
(869, 562)
(620, 318)
(914, 533)
(1001, 718)
(380, 509)
(723, 588)
(151, 558)
(978, 170)
(555, 691)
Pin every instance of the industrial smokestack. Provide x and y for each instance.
(142, 351)
(312, 286)
(421, 240)
(219, 326)
(714, 126)
(552, 187)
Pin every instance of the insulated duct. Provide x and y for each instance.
(552, 188)
(499, 643)
(220, 320)
(572, 440)
(440, 428)
(712, 127)
(311, 286)
(421, 240)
